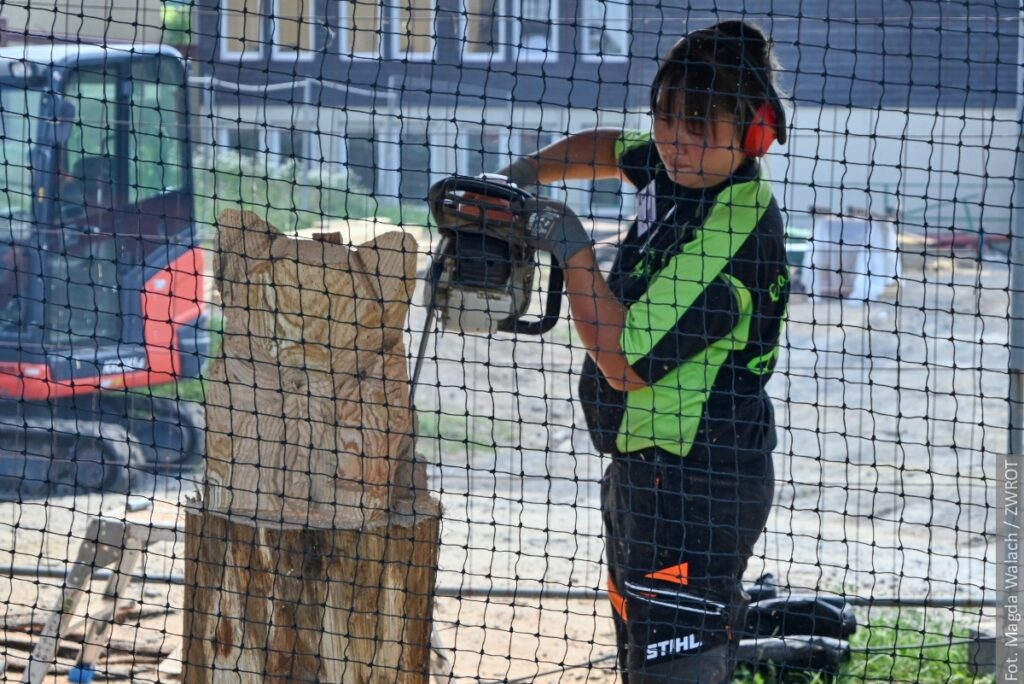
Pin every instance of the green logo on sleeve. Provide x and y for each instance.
(641, 268)
(776, 288)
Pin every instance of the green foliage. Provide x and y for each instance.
(186, 390)
(909, 646)
(193, 389)
(405, 214)
(177, 22)
(287, 196)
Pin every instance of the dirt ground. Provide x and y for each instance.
(890, 416)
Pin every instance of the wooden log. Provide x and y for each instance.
(309, 605)
(313, 553)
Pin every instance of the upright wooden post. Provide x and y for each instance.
(313, 554)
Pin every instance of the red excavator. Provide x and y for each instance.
(103, 287)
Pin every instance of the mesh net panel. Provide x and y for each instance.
(220, 276)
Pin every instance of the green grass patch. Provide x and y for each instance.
(894, 646)
(185, 390)
(908, 646)
(289, 197)
(771, 675)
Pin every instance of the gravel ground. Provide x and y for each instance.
(890, 417)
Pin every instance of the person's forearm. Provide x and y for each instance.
(599, 318)
(587, 155)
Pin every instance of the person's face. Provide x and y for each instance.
(697, 160)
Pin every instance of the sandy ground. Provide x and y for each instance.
(890, 417)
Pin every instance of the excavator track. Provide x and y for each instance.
(101, 442)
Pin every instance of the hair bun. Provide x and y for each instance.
(752, 39)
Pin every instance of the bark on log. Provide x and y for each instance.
(313, 554)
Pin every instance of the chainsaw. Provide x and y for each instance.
(482, 273)
(481, 276)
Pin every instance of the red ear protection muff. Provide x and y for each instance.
(768, 121)
(766, 125)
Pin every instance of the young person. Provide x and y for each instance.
(682, 337)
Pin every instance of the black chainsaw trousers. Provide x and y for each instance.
(678, 534)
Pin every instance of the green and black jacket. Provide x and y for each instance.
(703, 276)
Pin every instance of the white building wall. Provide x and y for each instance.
(940, 168)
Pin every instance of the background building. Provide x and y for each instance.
(98, 21)
(916, 112)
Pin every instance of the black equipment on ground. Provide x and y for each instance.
(792, 633)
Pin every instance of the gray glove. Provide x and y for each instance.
(522, 172)
(553, 227)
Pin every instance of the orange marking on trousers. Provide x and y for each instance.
(618, 603)
(677, 574)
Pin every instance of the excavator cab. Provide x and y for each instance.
(103, 285)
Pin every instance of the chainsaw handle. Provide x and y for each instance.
(440, 190)
(552, 308)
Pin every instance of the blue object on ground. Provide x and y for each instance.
(82, 675)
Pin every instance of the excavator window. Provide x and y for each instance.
(89, 167)
(11, 264)
(19, 112)
(19, 119)
(156, 138)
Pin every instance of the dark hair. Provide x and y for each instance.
(724, 69)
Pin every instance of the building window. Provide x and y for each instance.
(241, 28)
(605, 27)
(537, 30)
(483, 28)
(291, 145)
(414, 28)
(244, 141)
(362, 28)
(530, 141)
(415, 166)
(482, 150)
(606, 197)
(362, 163)
(293, 27)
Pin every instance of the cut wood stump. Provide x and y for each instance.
(313, 553)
